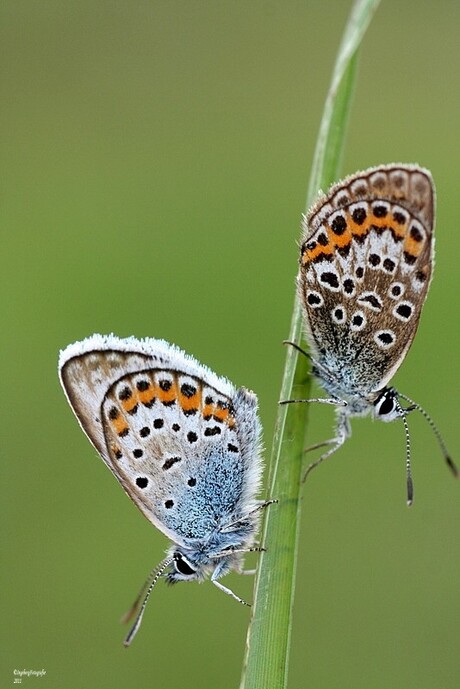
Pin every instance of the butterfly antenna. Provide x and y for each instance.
(152, 579)
(409, 482)
(312, 360)
(319, 367)
(299, 349)
(448, 459)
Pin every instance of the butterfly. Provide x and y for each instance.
(365, 265)
(185, 445)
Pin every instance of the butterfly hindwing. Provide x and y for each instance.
(182, 441)
(365, 267)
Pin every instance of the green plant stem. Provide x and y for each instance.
(268, 641)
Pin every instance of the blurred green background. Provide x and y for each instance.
(155, 161)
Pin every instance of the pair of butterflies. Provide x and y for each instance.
(185, 444)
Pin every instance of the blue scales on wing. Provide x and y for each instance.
(183, 450)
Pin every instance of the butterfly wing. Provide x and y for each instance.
(182, 441)
(365, 268)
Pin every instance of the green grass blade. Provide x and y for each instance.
(267, 652)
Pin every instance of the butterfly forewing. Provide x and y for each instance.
(182, 441)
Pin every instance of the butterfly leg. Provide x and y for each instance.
(227, 590)
(331, 441)
(251, 572)
(237, 523)
(322, 400)
(343, 431)
(231, 551)
(262, 506)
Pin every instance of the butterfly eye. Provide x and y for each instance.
(182, 566)
(386, 405)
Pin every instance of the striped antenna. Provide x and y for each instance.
(152, 579)
(447, 458)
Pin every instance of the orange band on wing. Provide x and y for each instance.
(146, 396)
(166, 396)
(129, 404)
(413, 247)
(120, 425)
(188, 403)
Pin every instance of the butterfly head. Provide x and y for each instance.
(185, 567)
(386, 405)
(199, 563)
